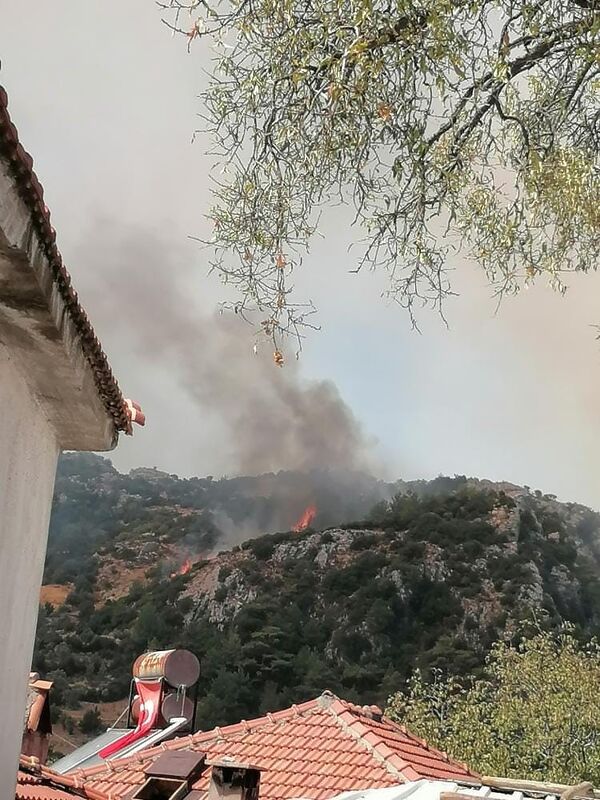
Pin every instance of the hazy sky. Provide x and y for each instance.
(106, 102)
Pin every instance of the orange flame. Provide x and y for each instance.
(308, 515)
(183, 569)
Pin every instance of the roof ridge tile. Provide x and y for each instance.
(356, 730)
(44, 773)
(425, 744)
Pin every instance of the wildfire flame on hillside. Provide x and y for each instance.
(308, 515)
(190, 562)
(183, 569)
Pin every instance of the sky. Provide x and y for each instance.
(106, 101)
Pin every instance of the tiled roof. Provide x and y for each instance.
(314, 751)
(32, 193)
(35, 782)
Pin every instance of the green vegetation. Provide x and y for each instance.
(534, 713)
(97, 510)
(431, 581)
(91, 721)
(139, 517)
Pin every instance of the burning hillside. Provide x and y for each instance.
(183, 569)
(132, 522)
(306, 519)
(433, 582)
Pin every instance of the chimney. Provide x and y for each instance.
(232, 780)
(170, 777)
(37, 725)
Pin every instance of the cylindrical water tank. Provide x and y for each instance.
(174, 705)
(177, 667)
(135, 708)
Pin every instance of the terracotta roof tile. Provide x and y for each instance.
(21, 165)
(35, 782)
(313, 750)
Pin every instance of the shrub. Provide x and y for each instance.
(91, 721)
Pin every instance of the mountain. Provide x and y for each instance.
(432, 574)
(148, 517)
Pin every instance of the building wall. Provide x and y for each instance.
(39, 333)
(28, 455)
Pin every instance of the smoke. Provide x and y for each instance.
(141, 295)
(234, 533)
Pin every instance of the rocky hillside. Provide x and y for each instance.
(429, 580)
(113, 527)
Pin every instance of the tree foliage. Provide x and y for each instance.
(535, 714)
(91, 722)
(441, 121)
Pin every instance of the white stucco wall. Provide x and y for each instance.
(28, 455)
(53, 395)
(39, 333)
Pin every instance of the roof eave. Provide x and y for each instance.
(39, 296)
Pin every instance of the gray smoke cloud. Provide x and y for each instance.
(138, 294)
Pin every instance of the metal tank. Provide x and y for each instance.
(179, 668)
(176, 705)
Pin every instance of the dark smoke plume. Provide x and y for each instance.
(275, 419)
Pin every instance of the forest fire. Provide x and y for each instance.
(183, 569)
(308, 515)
